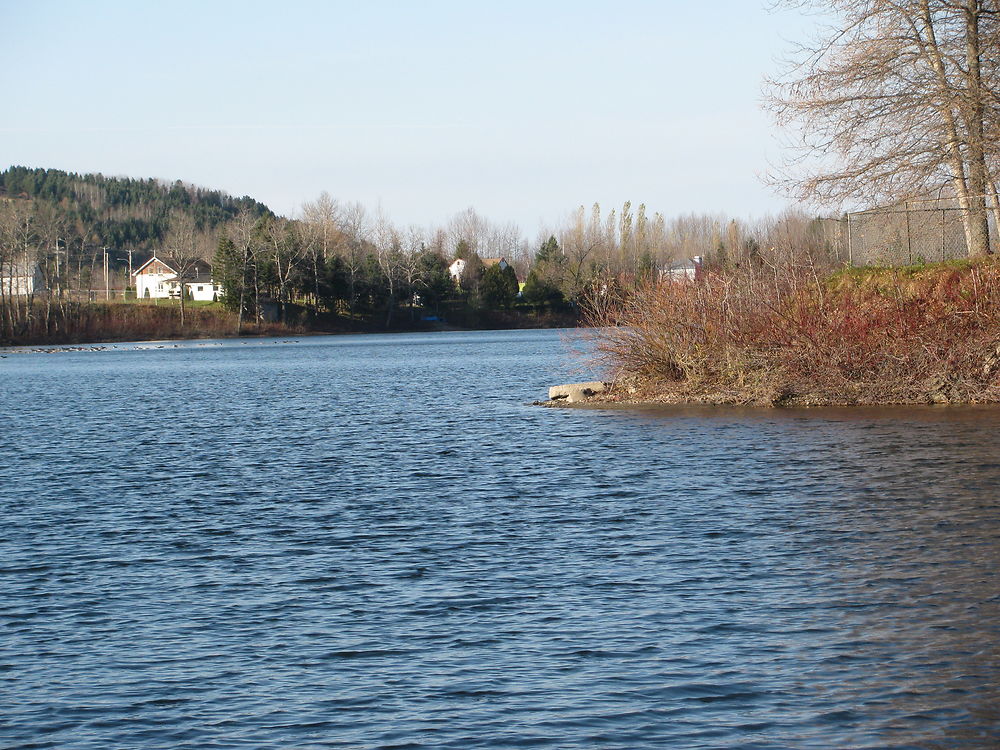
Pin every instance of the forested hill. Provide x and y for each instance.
(123, 212)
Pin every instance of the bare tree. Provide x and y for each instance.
(902, 93)
(243, 233)
(186, 248)
(10, 254)
(321, 233)
(470, 227)
(285, 251)
(388, 253)
(580, 242)
(355, 232)
(411, 267)
(49, 228)
(19, 256)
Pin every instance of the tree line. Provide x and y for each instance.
(342, 259)
(336, 259)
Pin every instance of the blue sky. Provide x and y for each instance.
(523, 110)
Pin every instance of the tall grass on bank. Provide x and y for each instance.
(58, 322)
(770, 335)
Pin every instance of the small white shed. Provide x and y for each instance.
(21, 279)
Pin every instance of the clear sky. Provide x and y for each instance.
(523, 110)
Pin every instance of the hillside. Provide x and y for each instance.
(120, 212)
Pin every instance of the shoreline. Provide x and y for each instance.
(618, 395)
(210, 324)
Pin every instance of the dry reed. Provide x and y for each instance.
(48, 322)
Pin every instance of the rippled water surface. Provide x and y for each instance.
(374, 542)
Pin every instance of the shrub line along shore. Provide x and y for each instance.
(769, 336)
(114, 322)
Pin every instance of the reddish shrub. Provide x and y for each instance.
(750, 336)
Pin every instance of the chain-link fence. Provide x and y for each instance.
(913, 232)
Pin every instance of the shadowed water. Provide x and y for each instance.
(373, 542)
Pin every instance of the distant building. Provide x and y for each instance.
(687, 270)
(157, 279)
(21, 279)
(457, 268)
(502, 262)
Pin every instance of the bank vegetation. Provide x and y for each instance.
(766, 333)
(891, 101)
(335, 266)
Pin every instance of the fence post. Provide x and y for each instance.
(909, 244)
(850, 242)
(942, 235)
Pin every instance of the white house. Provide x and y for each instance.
(21, 279)
(157, 279)
(688, 270)
(457, 268)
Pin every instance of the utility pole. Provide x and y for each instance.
(129, 279)
(107, 284)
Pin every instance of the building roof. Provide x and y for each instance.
(691, 264)
(201, 278)
(198, 269)
(493, 261)
(20, 268)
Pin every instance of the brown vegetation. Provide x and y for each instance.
(759, 334)
(53, 322)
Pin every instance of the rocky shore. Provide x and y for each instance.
(627, 392)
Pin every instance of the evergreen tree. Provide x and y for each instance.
(547, 276)
(435, 283)
(472, 274)
(542, 294)
(227, 270)
(550, 253)
(333, 283)
(124, 212)
(498, 288)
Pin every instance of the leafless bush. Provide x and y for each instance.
(790, 334)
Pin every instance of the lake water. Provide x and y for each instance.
(374, 542)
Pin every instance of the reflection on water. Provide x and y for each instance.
(373, 542)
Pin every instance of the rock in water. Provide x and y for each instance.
(575, 392)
